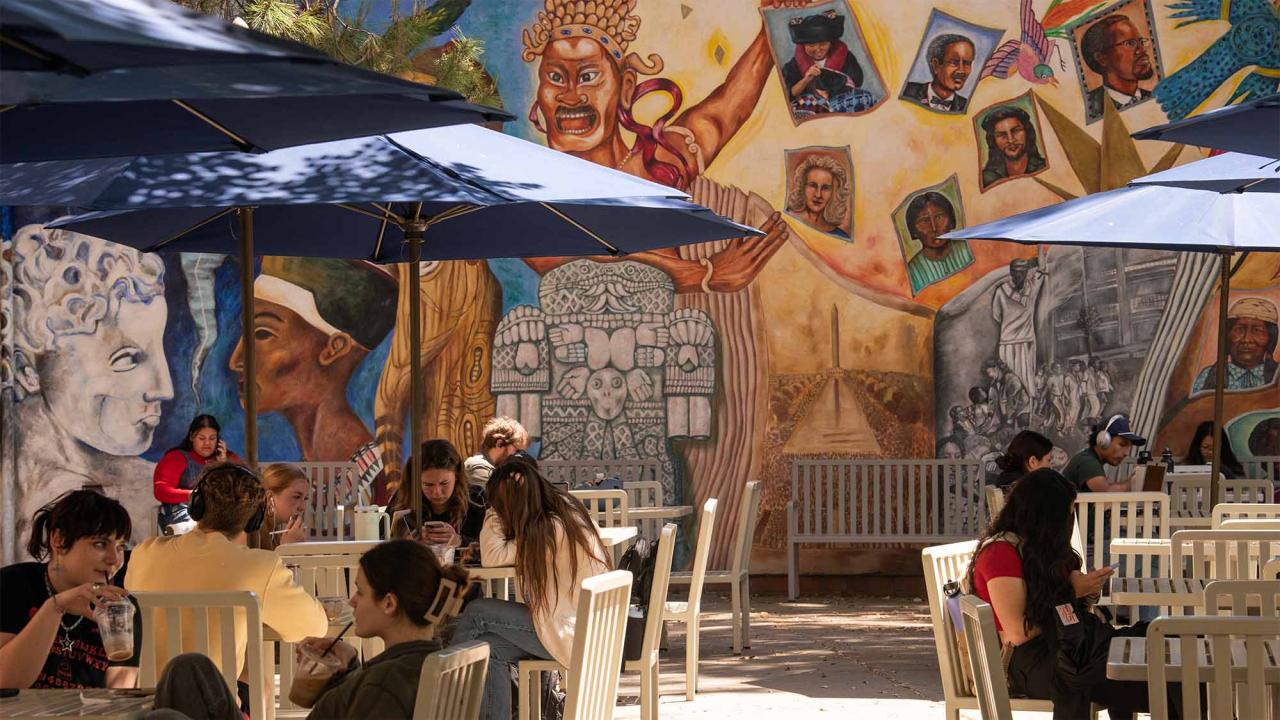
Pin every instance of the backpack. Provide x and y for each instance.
(641, 559)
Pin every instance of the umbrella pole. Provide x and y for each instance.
(413, 233)
(1220, 375)
(247, 341)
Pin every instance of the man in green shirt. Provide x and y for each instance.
(1109, 445)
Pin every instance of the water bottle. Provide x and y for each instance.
(1166, 459)
(1144, 457)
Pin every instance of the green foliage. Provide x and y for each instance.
(459, 68)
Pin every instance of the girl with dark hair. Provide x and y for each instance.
(176, 473)
(1203, 446)
(1025, 567)
(1027, 452)
(402, 594)
(547, 535)
(452, 508)
(48, 635)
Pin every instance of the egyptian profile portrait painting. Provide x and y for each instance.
(1117, 57)
(947, 65)
(920, 221)
(820, 189)
(823, 60)
(1010, 142)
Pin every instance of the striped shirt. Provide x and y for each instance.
(923, 271)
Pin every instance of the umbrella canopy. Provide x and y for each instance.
(1252, 127)
(153, 77)
(1186, 219)
(1226, 173)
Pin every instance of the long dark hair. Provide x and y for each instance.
(436, 455)
(199, 423)
(410, 571)
(74, 515)
(1040, 512)
(1024, 446)
(1221, 448)
(530, 507)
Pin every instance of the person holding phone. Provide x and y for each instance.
(452, 508)
(180, 467)
(287, 489)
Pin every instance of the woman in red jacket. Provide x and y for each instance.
(178, 470)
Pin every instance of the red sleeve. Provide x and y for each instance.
(168, 472)
(999, 559)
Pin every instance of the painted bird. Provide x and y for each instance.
(1252, 41)
(1031, 53)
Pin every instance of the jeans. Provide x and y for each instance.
(508, 628)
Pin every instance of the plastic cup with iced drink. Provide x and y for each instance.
(444, 553)
(313, 673)
(115, 624)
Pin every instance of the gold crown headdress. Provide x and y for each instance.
(608, 22)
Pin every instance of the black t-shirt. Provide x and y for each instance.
(22, 592)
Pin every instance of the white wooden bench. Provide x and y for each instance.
(848, 502)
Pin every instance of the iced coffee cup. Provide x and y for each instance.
(312, 675)
(115, 625)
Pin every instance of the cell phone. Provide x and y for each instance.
(435, 525)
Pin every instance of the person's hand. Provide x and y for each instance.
(81, 599)
(220, 454)
(1086, 584)
(742, 259)
(468, 552)
(341, 650)
(440, 533)
(294, 531)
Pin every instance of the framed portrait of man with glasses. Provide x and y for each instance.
(1117, 57)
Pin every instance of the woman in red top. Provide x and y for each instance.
(1025, 567)
(178, 470)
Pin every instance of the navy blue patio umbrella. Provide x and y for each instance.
(460, 192)
(150, 77)
(1252, 128)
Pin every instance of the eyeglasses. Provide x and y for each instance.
(1134, 43)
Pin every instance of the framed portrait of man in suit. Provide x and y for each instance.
(1117, 57)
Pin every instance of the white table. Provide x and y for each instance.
(668, 512)
(1128, 659)
(104, 704)
(1141, 546)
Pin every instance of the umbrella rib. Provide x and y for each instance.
(240, 141)
(612, 250)
(160, 245)
(386, 214)
(43, 56)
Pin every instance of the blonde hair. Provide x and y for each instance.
(502, 429)
(276, 478)
(838, 205)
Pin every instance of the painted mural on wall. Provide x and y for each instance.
(852, 134)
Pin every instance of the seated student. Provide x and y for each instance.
(214, 557)
(501, 438)
(1202, 449)
(1027, 452)
(452, 509)
(178, 469)
(48, 635)
(287, 488)
(1109, 444)
(402, 595)
(547, 535)
(1024, 567)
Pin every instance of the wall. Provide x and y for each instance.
(847, 332)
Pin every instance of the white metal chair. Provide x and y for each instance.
(333, 484)
(645, 494)
(738, 576)
(1223, 512)
(348, 547)
(1271, 569)
(1254, 491)
(1133, 515)
(984, 657)
(1221, 554)
(608, 508)
(647, 665)
(592, 679)
(1238, 597)
(1248, 524)
(689, 612)
(1197, 634)
(451, 686)
(995, 500)
(203, 623)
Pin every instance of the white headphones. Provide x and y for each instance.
(1103, 438)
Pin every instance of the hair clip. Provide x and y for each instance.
(448, 601)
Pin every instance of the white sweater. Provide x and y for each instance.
(555, 624)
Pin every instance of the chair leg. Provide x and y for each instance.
(648, 691)
(735, 596)
(527, 695)
(745, 609)
(953, 712)
(793, 571)
(692, 641)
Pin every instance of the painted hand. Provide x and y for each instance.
(743, 258)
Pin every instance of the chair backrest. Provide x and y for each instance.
(580, 472)
(995, 500)
(609, 508)
(702, 553)
(451, 685)
(1224, 690)
(1222, 554)
(1189, 493)
(348, 547)
(1238, 597)
(1239, 511)
(332, 484)
(943, 564)
(645, 494)
(1248, 524)
(326, 575)
(748, 508)
(174, 623)
(658, 590)
(597, 646)
(1107, 516)
(984, 656)
(1246, 490)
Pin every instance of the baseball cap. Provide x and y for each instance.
(1119, 427)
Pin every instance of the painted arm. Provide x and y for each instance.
(714, 120)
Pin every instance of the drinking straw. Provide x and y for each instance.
(335, 640)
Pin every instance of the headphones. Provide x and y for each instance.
(196, 505)
(1102, 439)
